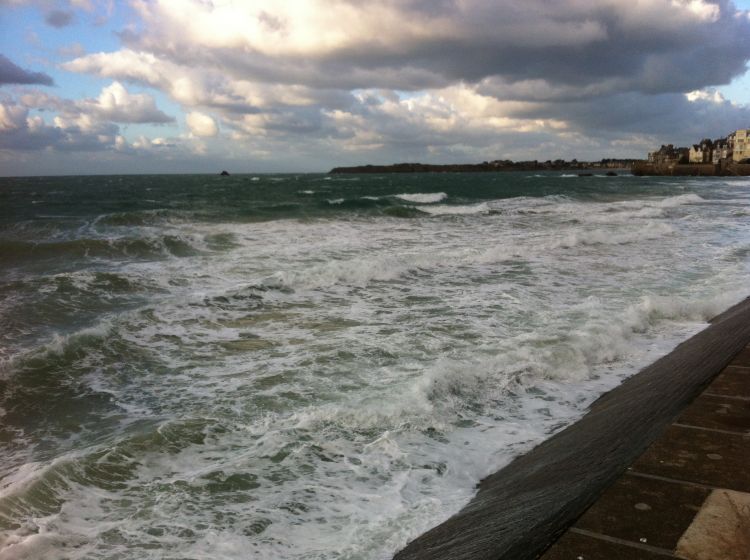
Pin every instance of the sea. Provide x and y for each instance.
(322, 366)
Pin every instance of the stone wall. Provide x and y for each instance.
(725, 168)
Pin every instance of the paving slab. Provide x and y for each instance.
(644, 510)
(732, 382)
(742, 359)
(576, 546)
(721, 530)
(701, 456)
(717, 412)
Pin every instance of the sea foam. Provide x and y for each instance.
(423, 198)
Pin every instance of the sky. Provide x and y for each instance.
(197, 86)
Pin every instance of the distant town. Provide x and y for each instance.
(725, 156)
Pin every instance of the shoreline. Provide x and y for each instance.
(520, 510)
(622, 165)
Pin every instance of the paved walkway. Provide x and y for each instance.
(687, 496)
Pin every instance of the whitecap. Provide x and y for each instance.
(458, 210)
(423, 198)
(652, 230)
(680, 200)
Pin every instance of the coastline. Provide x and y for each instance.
(523, 508)
(621, 165)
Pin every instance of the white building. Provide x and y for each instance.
(722, 150)
(701, 153)
(741, 145)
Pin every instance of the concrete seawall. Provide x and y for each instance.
(723, 169)
(520, 510)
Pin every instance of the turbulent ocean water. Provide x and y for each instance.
(322, 367)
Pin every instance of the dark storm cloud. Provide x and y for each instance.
(653, 47)
(10, 73)
(58, 18)
(636, 113)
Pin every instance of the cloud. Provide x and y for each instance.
(84, 125)
(58, 18)
(421, 79)
(13, 74)
(19, 131)
(239, 56)
(198, 86)
(201, 124)
(116, 104)
(415, 44)
(73, 49)
(12, 117)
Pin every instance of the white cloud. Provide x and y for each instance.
(711, 95)
(706, 11)
(201, 124)
(20, 132)
(12, 117)
(136, 66)
(116, 104)
(80, 125)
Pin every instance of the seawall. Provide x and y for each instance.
(724, 169)
(520, 510)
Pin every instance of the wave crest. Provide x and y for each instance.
(422, 198)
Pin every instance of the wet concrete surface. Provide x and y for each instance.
(644, 510)
(705, 457)
(576, 546)
(718, 412)
(731, 383)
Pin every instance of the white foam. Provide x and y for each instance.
(608, 237)
(681, 200)
(22, 478)
(456, 210)
(423, 198)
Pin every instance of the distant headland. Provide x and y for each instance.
(489, 166)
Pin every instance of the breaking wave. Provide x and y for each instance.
(423, 198)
